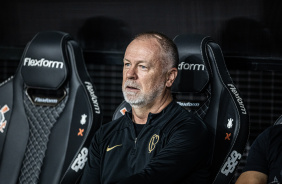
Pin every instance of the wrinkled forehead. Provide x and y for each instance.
(150, 43)
(143, 49)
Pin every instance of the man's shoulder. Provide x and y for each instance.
(271, 131)
(113, 126)
(189, 117)
(181, 118)
(273, 134)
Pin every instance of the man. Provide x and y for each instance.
(158, 141)
(264, 162)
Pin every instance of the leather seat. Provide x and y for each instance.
(205, 87)
(49, 113)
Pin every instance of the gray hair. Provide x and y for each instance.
(169, 49)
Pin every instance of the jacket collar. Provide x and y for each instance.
(152, 118)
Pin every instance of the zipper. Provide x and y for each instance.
(135, 143)
(140, 133)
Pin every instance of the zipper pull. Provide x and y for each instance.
(135, 146)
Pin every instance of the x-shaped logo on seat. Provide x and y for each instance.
(80, 133)
(228, 136)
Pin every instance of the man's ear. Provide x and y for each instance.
(171, 76)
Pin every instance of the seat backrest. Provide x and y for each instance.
(49, 112)
(204, 87)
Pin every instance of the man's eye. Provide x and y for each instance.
(143, 67)
(126, 64)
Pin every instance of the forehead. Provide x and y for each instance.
(145, 49)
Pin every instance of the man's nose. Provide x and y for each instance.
(131, 73)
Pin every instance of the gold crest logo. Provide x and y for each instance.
(154, 140)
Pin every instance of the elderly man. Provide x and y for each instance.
(158, 141)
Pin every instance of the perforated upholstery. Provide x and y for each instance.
(49, 113)
(204, 87)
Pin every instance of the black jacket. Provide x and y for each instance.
(265, 154)
(171, 148)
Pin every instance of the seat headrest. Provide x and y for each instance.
(44, 63)
(192, 69)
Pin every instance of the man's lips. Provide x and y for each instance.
(131, 88)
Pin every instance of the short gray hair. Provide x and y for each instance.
(169, 49)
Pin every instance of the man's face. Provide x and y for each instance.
(143, 76)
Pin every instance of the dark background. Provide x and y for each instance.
(248, 31)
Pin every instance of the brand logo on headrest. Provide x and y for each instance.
(188, 104)
(189, 66)
(43, 63)
(46, 100)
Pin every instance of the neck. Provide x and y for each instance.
(140, 114)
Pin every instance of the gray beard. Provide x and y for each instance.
(139, 100)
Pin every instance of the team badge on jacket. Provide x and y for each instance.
(153, 141)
